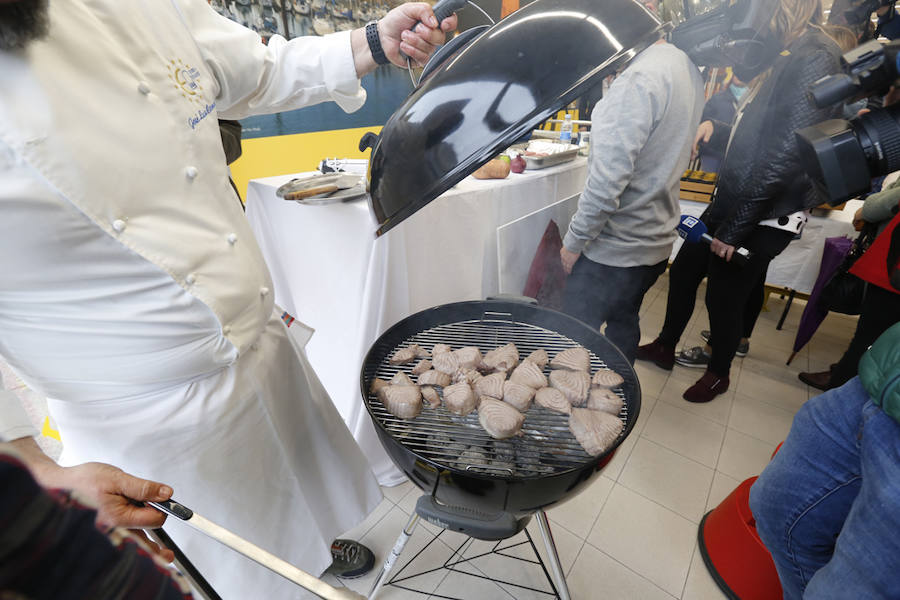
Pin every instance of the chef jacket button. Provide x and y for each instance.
(118, 225)
(143, 87)
(232, 239)
(226, 330)
(191, 172)
(190, 279)
(263, 291)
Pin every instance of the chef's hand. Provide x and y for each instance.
(704, 134)
(419, 43)
(397, 36)
(721, 249)
(117, 495)
(568, 259)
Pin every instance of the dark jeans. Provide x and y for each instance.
(598, 294)
(828, 505)
(880, 310)
(729, 290)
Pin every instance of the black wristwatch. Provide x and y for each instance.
(374, 41)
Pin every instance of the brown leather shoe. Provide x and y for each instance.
(660, 355)
(707, 387)
(820, 381)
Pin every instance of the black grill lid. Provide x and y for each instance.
(487, 94)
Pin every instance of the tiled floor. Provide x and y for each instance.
(632, 533)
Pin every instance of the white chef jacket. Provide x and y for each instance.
(133, 294)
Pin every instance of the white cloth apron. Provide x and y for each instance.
(285, 475)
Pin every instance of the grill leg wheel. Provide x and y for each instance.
(553, 558)
(391, 559)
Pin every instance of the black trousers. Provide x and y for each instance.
(598, 294)
(880, 310)
(733, 292)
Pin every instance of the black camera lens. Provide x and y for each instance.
(842, 157)
(879, 135)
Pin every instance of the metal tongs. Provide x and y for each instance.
(251, 551)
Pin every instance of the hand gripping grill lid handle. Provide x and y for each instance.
(445, 8)
(442, 10)
(255, 553)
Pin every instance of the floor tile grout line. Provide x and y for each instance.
(661, 505)
(574, 562)
(373, 525)
(615, 560)
(678, 406)
(679, 453)
(661, 445)
(690, 568)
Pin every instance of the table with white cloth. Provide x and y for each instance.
(331, 272)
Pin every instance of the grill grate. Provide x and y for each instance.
(460, 443)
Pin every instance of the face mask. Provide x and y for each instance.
(737, 91)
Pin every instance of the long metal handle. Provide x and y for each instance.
(185, 566)
(255, 553)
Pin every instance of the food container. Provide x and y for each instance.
(552, 159)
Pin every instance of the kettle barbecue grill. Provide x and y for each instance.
(484, 488)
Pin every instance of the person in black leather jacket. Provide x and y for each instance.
(761, 183)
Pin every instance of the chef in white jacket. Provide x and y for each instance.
(132, 292)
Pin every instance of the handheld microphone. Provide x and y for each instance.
(693, 230)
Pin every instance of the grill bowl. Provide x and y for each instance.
(524, 474)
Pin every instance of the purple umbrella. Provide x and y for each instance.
(833, 254)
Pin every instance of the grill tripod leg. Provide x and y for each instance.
(396, 551)
(552, 556)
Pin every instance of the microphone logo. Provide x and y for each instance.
(687, 224)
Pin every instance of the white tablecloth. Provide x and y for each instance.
(798, 266)
(476, 240)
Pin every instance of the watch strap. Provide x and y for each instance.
(374, 41)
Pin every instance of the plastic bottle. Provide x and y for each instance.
(565, 134)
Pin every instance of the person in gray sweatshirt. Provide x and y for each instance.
(621, 236)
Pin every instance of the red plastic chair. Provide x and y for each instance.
(736, 558)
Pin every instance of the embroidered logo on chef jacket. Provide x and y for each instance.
(186, 80)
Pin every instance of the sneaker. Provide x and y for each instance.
(695, 357)
(351, 559)
(707, 387)
(655, 352)
(742, 349)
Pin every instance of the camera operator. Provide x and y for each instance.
(762, 192)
